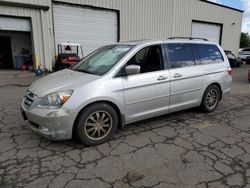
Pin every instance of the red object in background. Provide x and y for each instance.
(68, 54)
(71, 60)
(24, 67)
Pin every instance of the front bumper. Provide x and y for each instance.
(56, 124)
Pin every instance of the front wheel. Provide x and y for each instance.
(210, 98)
(96, 124)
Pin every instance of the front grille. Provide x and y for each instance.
(29, 99)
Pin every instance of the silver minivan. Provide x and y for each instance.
(126, 82)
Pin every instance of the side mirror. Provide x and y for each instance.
(132, 69)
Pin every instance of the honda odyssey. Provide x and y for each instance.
(127, 82)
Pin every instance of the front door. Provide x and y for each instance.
(147, 94)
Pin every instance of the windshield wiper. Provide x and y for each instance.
(84, 71)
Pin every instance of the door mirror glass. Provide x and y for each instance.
(132, 69)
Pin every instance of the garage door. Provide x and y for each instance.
(212, 32)
(14, 24)
(92, 28)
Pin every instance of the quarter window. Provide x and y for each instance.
(209, 53)
(180, 55)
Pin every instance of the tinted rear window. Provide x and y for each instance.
(209, 53)
(180, 55)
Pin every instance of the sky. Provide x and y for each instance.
(242, 5)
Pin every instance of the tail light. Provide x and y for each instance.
(229, 71)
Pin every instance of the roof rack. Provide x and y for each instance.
(189, 38)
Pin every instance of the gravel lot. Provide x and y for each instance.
(184, 149)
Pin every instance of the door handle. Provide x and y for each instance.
(162, 78)
(177, 75)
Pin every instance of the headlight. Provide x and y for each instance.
(54, 100)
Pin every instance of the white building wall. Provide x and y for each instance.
(143, 19)
(42, 27)
(33, 2)
(139, 19)
(188, 10)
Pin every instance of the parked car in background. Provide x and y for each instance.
(127, 82)
(249, 75)
(244, 55)
(233, 60)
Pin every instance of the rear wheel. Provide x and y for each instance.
(210, 98)
(96, 124)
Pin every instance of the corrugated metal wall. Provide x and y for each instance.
(141, 19)
(92, 28)
(33, 2)
(188, 10)
(42, 28)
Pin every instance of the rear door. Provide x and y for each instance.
(147, 94)
(214, 65)
(186, 76)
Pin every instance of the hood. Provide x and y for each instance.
(60, 81)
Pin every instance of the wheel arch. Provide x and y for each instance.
(218, 85)
(121, 118)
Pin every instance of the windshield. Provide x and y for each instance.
(103, 59)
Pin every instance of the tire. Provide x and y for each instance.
(210, 99)
(96, 124)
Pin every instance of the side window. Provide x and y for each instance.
(180, 55)
(148, 58)
(209, 53)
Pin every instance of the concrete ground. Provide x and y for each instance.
(185, 149)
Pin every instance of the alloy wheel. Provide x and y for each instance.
(212, 98)
(98, 125)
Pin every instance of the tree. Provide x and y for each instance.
(244, 40)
